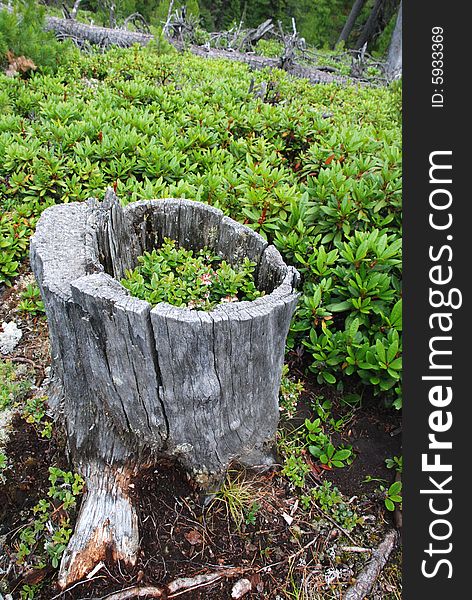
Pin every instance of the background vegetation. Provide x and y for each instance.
(319, 21)
(317, 170)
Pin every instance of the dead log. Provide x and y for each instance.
(105, 37)
(366, 579)
(100, 36)
(138, 382)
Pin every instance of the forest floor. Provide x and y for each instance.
(255, 532)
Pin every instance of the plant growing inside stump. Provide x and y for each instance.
(198, 280)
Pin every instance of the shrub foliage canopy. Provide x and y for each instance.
(317, 171)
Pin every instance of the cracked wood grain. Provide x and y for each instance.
(138, 382)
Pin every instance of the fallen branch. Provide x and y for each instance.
(138, 21)
(136, 592)
(366, 579)
(179, 586)
(105, 37)
(254, 35)
(75, 9)
(355, 549)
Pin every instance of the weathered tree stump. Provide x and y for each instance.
(134, 382)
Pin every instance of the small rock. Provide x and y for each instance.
(241, 587)
(9, 337)
(6, 417)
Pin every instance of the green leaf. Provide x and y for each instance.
(389, 505)
(329, 378)
(396, 316)
(380, 351)
(395, 488)
(362, 250)
(392, 351)
(353, 328)
(342, 454)
(396, 364)
(339, 306)
(315, 451)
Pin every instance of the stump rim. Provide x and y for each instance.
(281, 294)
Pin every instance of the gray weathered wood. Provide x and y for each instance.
(138, 382)
(393, 66)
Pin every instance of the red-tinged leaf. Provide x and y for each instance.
(330, 159)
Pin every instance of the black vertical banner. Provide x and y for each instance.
(437, 186)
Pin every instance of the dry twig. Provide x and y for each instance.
(177, 587)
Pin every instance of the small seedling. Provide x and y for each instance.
(396, 462)
(335, 458)
(45, 538)
(320, 446)
(31, 300)
(330, 501)
(370, 479)
(251, 513)
(289, 394)
(3, 466)
(392, 495)
(34, 412)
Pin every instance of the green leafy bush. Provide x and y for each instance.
(317, 172)
(201, 281)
